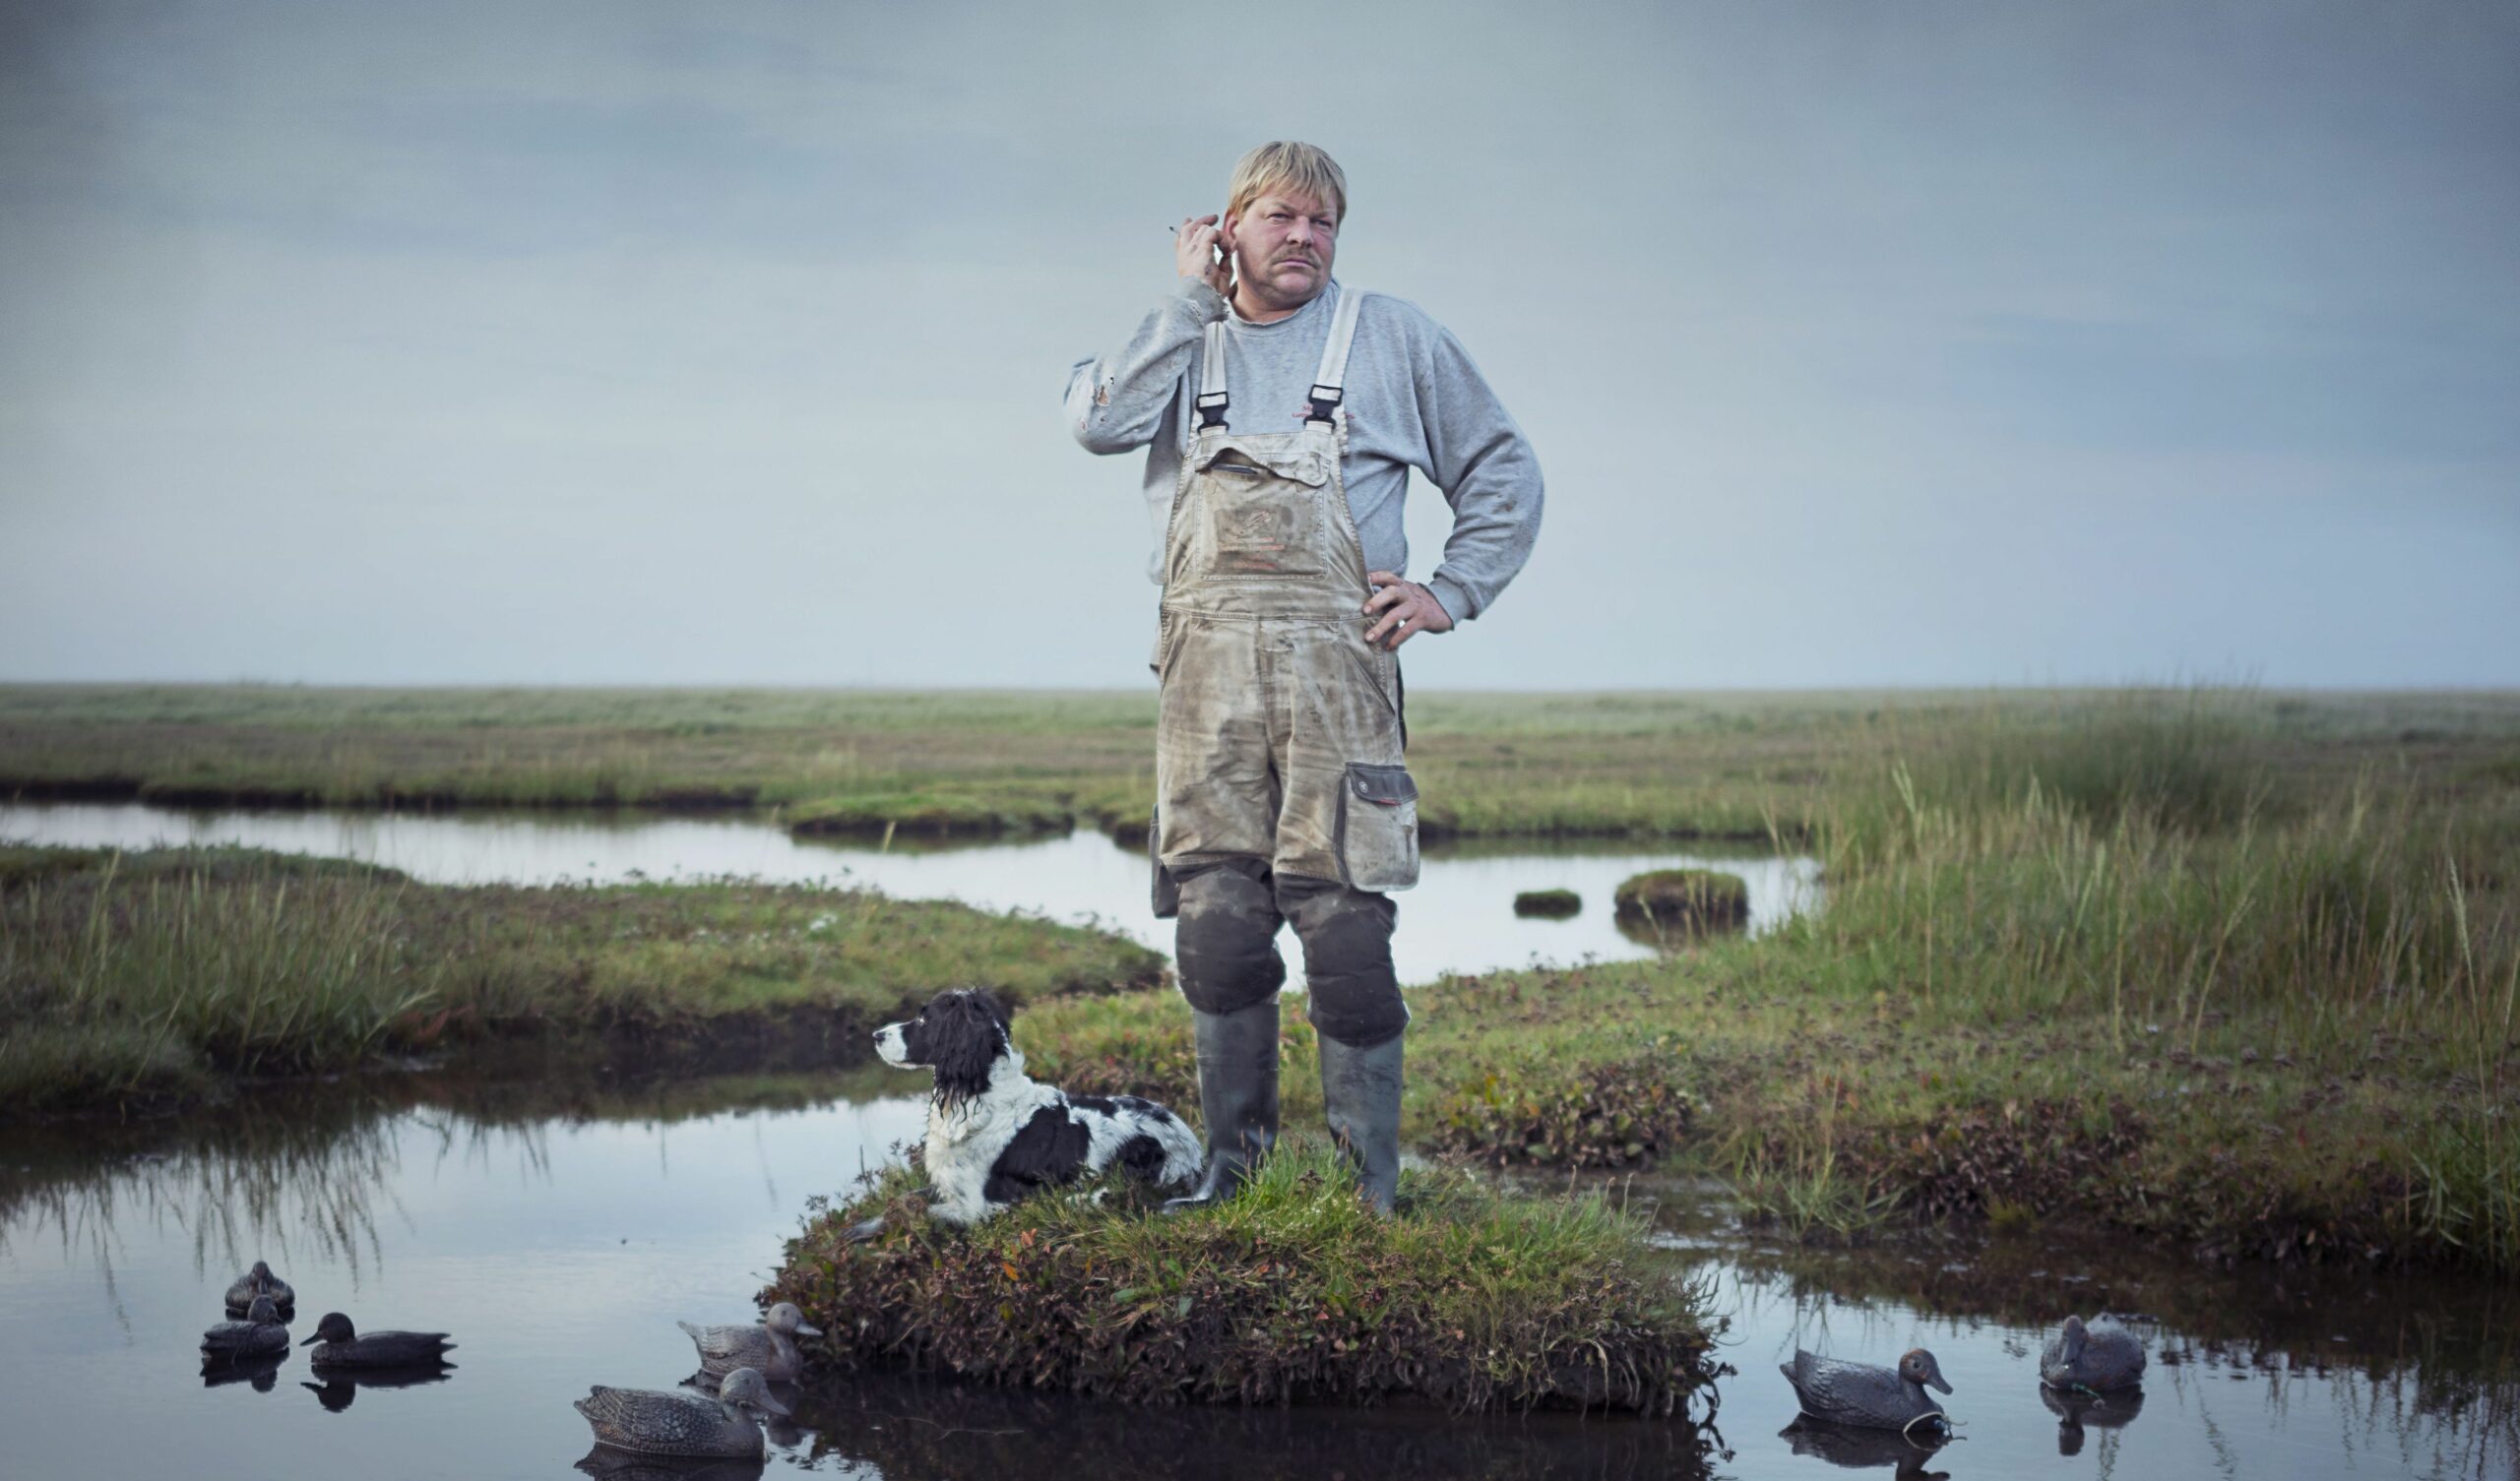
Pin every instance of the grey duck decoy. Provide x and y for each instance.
(260, 1281)
(768, 1346)
(337, 1344)
(1867, 1395)
(657, 1423)
(2093, 1359)
(262, 1332)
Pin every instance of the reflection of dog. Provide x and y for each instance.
(995, 1134)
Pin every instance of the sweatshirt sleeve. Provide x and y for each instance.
(1489, 474)
(1116, 403)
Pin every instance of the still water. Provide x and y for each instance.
(559, 1233)
(1459, 920)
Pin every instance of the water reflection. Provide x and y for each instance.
(340, 1387)
(1866, 1450)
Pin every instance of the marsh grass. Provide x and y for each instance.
(1470, 1297)
(156, 975)
(2129, 963)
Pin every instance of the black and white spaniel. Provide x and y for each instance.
(995, 1134)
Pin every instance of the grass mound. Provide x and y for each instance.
(1470, 1297)
(1549, 905)
(1684, 901)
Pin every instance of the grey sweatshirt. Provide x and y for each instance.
(1413, 400)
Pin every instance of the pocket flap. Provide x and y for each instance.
(1300, 464)
(1388, 786)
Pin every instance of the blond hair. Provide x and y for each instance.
(1283, 168)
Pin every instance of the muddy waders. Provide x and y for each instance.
(1281, 792)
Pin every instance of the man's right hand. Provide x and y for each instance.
(1194, 253)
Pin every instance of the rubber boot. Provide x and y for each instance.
(1237, 1097)
(1361, 1089)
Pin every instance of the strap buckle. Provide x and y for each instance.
(1212, 405)
(1322, 405)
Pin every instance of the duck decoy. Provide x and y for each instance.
(337, 1344)
(767, 1347)
(262, 1332)
(1867, 1395)
(2092, 1359)
(656, 1423)
(260, 1281)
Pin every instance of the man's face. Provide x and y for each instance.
(1282, 247)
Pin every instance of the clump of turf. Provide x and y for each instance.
(1470, 1297)
(1549, 905)
(1674, 902)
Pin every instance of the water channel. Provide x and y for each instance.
(559, 1230)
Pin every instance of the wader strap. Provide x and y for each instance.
(1327, 384)
(1212, 397)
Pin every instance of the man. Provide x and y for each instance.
(1282, 412)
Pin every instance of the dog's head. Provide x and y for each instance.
(960, 1035)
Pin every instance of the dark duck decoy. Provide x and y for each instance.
(767, 1347)
(262, 1332)
(337, 1344)
(2092, 1359)
(260, 1281)
(1867, 1395)
(657, 1423)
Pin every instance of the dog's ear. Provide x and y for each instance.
(963, 1042)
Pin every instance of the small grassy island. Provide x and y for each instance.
(1470, 1297)
(1549, 905)
(1677, 904)
(147, 980)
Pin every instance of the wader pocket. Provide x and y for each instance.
(1377, 828)
(1167, 894)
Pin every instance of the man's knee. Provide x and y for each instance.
(1346, 958)
(1225, 940)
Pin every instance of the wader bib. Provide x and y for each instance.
(1280, 784)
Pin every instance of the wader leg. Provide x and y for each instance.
(1359, 1016)
(1361, 1089)
(1237, 1097)
(1230, 972)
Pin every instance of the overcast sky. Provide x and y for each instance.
(1861, 343)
